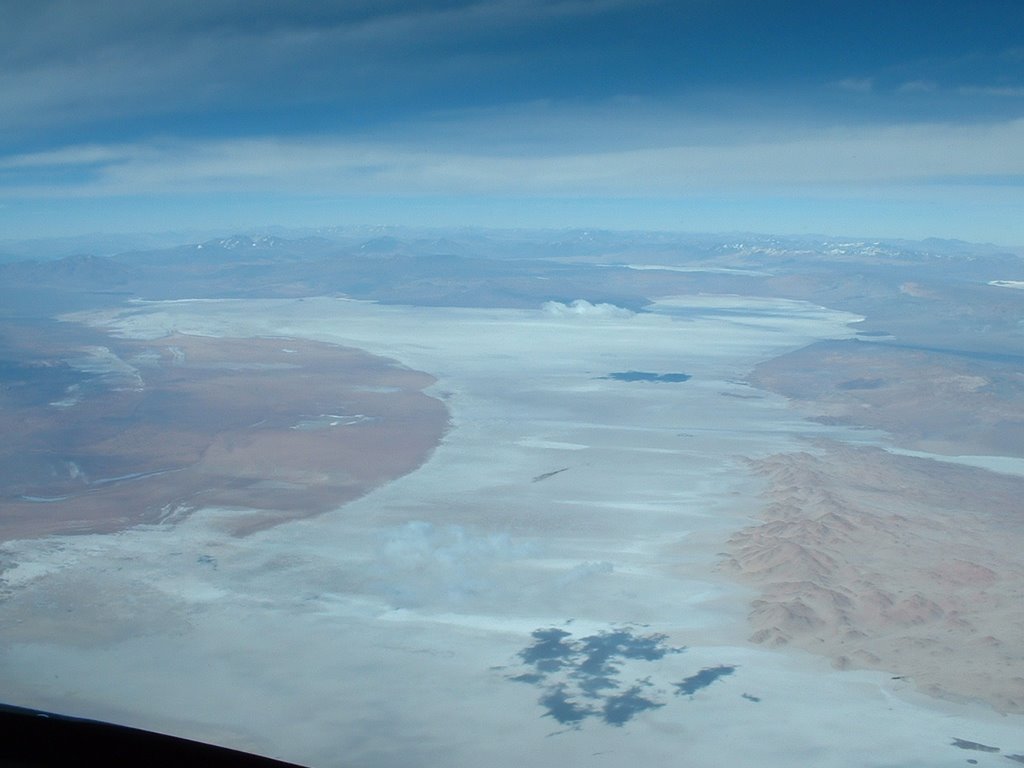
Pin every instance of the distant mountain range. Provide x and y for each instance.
(900, 286)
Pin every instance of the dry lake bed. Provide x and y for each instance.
(568, 535)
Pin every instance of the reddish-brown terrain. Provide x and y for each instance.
(103, 433)
(891, 562)
(930, 400)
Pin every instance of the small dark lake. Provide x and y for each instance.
(672, 378)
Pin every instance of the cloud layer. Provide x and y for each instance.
(482, 102)
(919, 154)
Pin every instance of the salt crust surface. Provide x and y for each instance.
(382, 633)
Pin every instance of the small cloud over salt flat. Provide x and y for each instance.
(583, 308)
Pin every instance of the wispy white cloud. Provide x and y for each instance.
(318, 165)
(856, 84)
(249, 102)
(78, 155)
(1010, 91)
(71, 63)
(917, 86)
(420, 565)
(583, 308)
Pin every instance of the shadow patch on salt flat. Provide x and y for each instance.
(594, 676)
(702, 679)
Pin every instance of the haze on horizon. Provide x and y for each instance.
(863, 119)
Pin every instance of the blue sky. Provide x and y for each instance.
(852, 118)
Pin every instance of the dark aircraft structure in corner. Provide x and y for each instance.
(31, 738)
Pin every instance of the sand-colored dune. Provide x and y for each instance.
(895, 563)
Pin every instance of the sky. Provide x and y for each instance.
(891, 119)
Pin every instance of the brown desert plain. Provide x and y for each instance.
(146, 431)
(894, 562)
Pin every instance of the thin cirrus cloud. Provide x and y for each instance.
(251, 60)
(1010, 91)
(226, 67)
(856, 84)
(915, 154)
